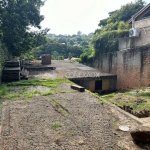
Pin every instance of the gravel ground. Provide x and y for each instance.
(28, 126)
(85, 124)
(64, 121)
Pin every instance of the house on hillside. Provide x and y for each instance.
(139, 34)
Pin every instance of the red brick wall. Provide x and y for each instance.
(132, 67)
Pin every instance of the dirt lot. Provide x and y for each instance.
(64, 121)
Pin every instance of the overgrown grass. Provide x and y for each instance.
(138, 99)
(108, 96)
(44, 82)
(24, 85)
(142, 106)
(121, 104)
(103, 98)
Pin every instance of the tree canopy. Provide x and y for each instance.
(64, 46)
(105, 39)
(16, 18)
(123, 14)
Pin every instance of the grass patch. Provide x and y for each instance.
(137, 99)
(62, 111)
(29, 95)
(3, 90)
(37, 92)
(121, 103)
(9, 92)
(99, 97)
(12, 96)
(144, 94)
(128, 93)
(47, 93)
(44, 82)
(141, 106)
(108, 96)
(56, 125)
(96, 95)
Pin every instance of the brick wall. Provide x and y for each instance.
(131, 66)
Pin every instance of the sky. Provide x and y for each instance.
(70, 16)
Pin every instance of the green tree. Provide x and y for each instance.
(64, 44)
(16, 17)
(123, 14)
(123, 26)
(105, 39)
(55, 55)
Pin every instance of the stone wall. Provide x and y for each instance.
(132, 67)
(125, 43)
(142, 23)
(143, 39)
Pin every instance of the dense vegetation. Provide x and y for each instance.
(64, 46)
(17, 16)
(16, 19)
(105, 39)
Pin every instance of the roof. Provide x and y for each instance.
(140, 13)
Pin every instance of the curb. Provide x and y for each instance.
(138, 120)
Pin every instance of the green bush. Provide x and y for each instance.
(106, 42)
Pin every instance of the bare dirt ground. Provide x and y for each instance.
(64, 121)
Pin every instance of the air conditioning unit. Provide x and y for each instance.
(134, 32)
